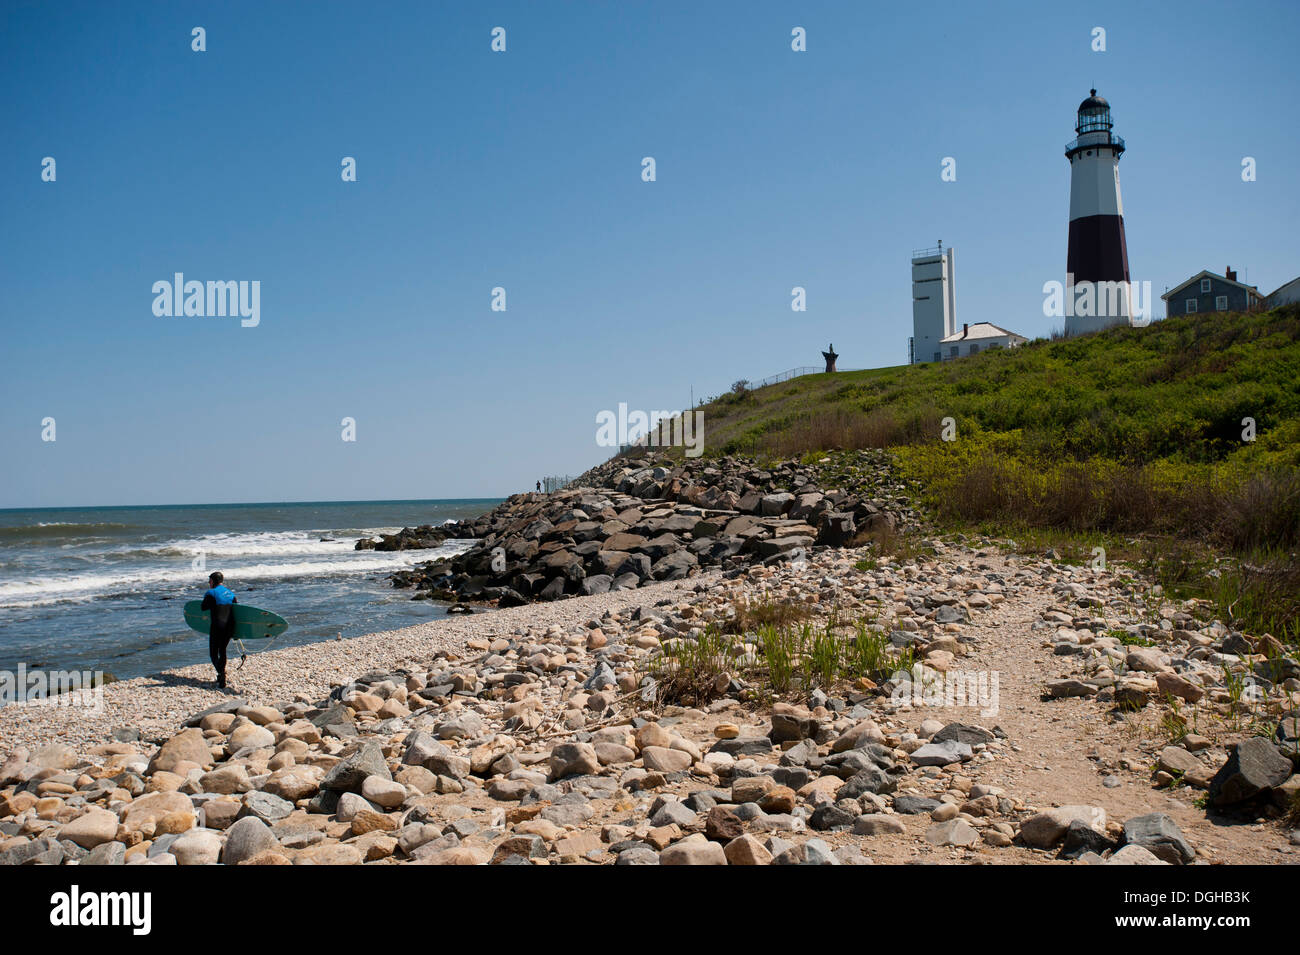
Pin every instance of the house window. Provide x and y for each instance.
(1205, 285)
(952, 353)
(1220, 303)
(1190, 306)
(938, 357)
(974, 349)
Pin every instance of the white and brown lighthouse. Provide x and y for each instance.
(1097, 260)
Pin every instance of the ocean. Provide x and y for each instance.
(102, 588)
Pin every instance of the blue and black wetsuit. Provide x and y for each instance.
(221, 601)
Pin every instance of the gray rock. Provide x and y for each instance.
(915, 805)
(33, 849)
(299, 837)
(1254, 767)
(601, 677)
(963, 733)
(265, 806)
(1061, 689)
(942, 754)
(852, 855)
(792, 726)
(799, 754)
(954, 832)
(673, 811)
(465, 726)
(773, 505)
(1134, 855)
(245, 839)
(596, 584)
(110, 853)
(871, 780)
(1159, 835)
(1081, 839)
(832, 818)
(950, 614)
(812, 852)
(335, 720)
(569, 759)
(522, 846)
(743, 746)
(571, 814)
(348, 775)
(878, 823)
(637, 855)
(674, 566)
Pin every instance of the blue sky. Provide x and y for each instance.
(522, 170)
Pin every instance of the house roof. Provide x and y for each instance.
(1285, 285)
(1207, 274)
(981, 330)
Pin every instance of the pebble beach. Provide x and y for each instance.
(155, 704)
(1095, 721)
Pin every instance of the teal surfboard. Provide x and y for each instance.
(250, 623)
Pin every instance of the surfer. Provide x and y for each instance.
(219, 599)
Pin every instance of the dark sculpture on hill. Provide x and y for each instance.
(830, 357)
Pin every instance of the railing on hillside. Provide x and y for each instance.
(784, 376)
(795, 373)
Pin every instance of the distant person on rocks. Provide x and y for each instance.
(539, 485)
(220, 600)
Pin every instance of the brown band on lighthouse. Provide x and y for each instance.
(1097, 250)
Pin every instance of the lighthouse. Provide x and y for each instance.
(1097, 277)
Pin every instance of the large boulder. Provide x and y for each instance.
(348, 775)
(197, 847)
(774, 505)
(245, 839)
(154, 809)
(187, 746)
(693, 852)
(1254, 767)
(92, 828)
(573, 759)
(1159, 835)
(674, 566)
(836, 528)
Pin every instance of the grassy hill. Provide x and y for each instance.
(1135, 432)
(1176, 389)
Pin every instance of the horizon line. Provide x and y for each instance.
(395, 500)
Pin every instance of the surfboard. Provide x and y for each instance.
(250, 622)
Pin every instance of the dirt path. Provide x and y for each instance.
(1064, 750)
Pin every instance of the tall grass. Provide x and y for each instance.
(1240, 514)
(778, 661)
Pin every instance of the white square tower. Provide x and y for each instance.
(934, 306)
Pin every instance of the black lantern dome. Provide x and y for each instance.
(1094, 115)
(1094, 129)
